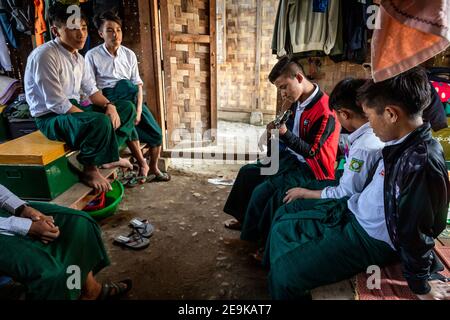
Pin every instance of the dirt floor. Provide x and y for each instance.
(191, 255)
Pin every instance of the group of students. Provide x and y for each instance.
(390, 202)
(40, 242)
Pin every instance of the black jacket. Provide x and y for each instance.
(416, 198)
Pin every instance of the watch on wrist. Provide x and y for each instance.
(19, 210)
(107, 104)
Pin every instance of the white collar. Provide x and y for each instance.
(359, 132)
(109, 53)
(65, 51)
(394, 142)
(302, 105)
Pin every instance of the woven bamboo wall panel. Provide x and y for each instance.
(236, 74)
(330, 73)
(189, 16)
(190, 74)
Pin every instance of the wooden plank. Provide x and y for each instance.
(257, 97)
(213, 63)
(157, 64)
(190, 38)
(152, 72)
(206, 155)
(75, 197)
(166, 52)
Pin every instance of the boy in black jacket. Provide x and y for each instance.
(402, 208)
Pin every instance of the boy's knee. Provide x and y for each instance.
(101, 120)
(126, 109)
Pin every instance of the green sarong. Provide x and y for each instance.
(43, 268)
(320, 245)
(90, 131)
(148, 130)
(266, 200)
(249, 179)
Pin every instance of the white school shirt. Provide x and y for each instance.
(54, 75)
(12, 225)
(108, 69)
(364, 147)
(368, 206)
(298, 113)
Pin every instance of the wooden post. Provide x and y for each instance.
(257, 101)
(167, 90)
(151, 59)
(213, 62)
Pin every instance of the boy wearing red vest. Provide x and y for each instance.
(308, 145)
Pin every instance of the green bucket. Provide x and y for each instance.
(113, 199)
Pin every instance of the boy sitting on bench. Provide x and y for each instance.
(308, 143)
(361, 153)
(399, 213)
(115, 69)
(54, 76)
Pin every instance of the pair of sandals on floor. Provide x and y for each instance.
(139, 237)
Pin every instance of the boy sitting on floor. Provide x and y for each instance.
(115, 69)
(402, 208)
(41, 243)
(54, 77)
(310, 139)
(361, 155)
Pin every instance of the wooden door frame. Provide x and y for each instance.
(150, 36)
(151, 65)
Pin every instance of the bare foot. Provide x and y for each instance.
(93, 178)
(123, 163)
(155, 171)
(143, 170)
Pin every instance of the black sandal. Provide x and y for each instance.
(119, 291)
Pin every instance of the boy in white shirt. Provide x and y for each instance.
(54, 76)
(115, 69)
(361, 155)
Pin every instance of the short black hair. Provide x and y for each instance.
(409, 90)
(285, 66)
(344, 95)
(58, 14)
(101, 18)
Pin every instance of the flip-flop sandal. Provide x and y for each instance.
(134, 241)
(232, 224)
(107, 289)
(143, 227)
(163, 177)
(131, 183)
(150, 178)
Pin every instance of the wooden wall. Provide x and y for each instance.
(243, 62)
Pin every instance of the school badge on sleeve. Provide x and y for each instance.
(356, 165)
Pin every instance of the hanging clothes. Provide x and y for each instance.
(320, 5)
(6, 25)
(411, 32)
(5, 58)
(299, 29)
(23, 13)
(40, 27)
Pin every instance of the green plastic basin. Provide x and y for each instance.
(113, 199)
